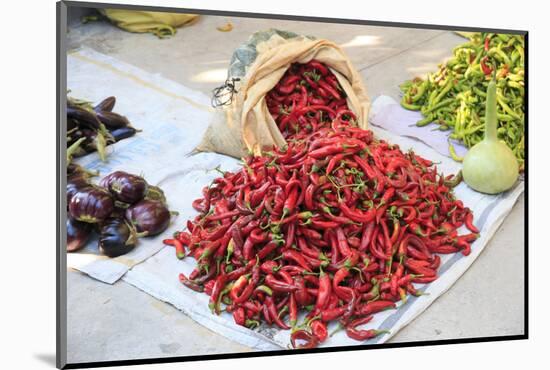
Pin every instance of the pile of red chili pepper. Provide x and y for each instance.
(308, 97)
(338, 224)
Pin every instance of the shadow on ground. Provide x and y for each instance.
(47, 358)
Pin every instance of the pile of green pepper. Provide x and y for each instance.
(454, 96)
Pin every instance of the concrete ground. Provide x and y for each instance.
(110, 322)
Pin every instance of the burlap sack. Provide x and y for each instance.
(245, 125)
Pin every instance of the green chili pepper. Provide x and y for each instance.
(454, 96)
(453, 153)
(420, 92)
(408, 106)
(425, 121)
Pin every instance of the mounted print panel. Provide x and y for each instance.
(251, 184)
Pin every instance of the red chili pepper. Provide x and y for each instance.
(216, 290)
(469, 222)
(358, 216)
(325, 290)
(290, 254)
(327, 87)
(180, 250)
(290, 202)
(279, 286)
(266, 314)
(288, 88)
(470, 238)
(266, 250)
(239, 316)
(323, 225)
(424, 280)
(484, 67)
(308, 197)
(331, 314)
(334, 161)
(444, 249)
(238, 287)
(422, 270)
(373, 307)
(342, 242)
(327, 151)
(362, 335)
(311, 340)
(319, 330)
(464, 246)
(247, 291)
(350, 261)
(302, 296)
(339, 276)
(360, 321)
(190, 284)
(274, 314)
(248, 249)
(308, 251)
(208, 286)
(269, 267)
(319, 67)
(293, 310)
(368, 231)
(376, 252)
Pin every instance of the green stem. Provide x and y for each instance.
(73, 148)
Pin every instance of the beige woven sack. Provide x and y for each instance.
(245, 125)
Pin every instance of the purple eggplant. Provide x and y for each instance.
(112, 120)
(91, 204)
(120, 210)
(84, 117)
(74, 185)
(116, 237)
(150, 217)
(123, 133)
(78, 234)
(106, 104)
(125, 187)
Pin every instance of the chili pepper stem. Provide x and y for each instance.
(338, 328)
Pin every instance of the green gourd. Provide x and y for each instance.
(490, 166)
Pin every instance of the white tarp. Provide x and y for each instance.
(172, 127)
(173, 119)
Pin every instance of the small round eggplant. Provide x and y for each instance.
(91, 204)
(125, 187)
(74, 185)
(116, 237)
(78, 234)
(150, 217)
(155, 193)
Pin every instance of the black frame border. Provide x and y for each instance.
(61, 270)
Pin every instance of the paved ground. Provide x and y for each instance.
(118, 322)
